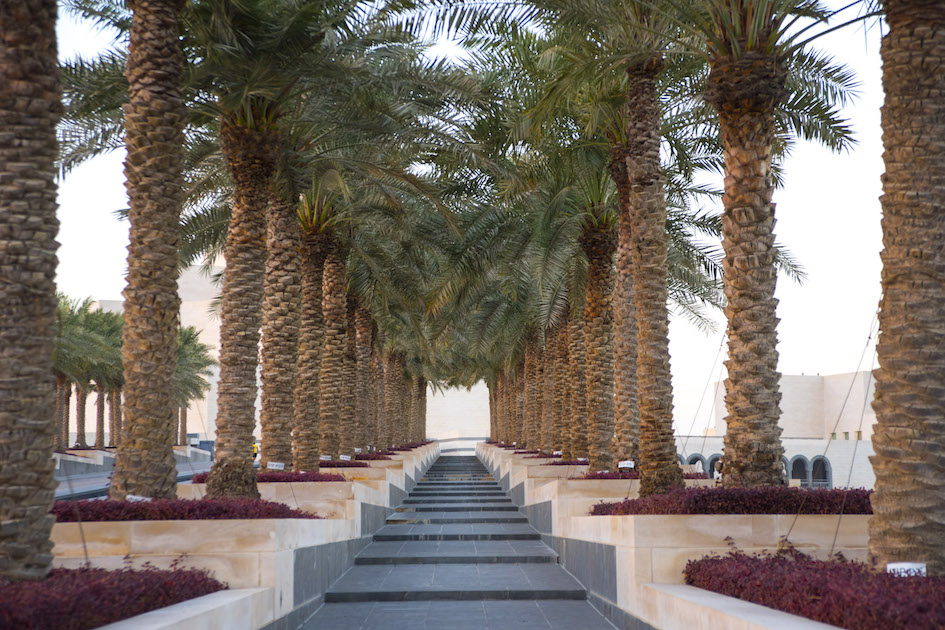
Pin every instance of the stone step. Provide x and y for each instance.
(456, 517)
(456, 552)
(458, 531)
(461, 582)
(481, 615)
(458, 507)
(457, 493)
(459, 499)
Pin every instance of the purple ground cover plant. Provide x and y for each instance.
(839, 592)
(542, 455)
(631, 474)
(770, 500)
(568, 462)
(375, 456)
(409, 446)
(525, 452)
(343, 464)
(76, 599)
(172, 510)
(278, 476)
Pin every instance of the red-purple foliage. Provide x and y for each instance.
(507, 446)
(631, 474)
(542, 455)
(76, 599)
(279, 476)
(525, 452)
(770, 500)
(375, 456)
(343, 464)
(839, 592)
(568, 462)
(409, 446)
(172, 510)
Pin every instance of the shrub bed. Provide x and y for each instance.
(631, 474)
(76, 599)
(276, 476)
(568, 462)
(172, 510)
(409, 446)
(541, 455)
(774, 500)
(343, 464)
(375, 456)
(525, 452)
(839, 592)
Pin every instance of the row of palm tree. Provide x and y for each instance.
(445, 202)
(88, 358)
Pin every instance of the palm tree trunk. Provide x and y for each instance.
(307, 432)
(29, 111)
(119, 418)
(282, 296)
(250, 156)
(113, 424)
(497, 407)
(646, 212)
(81, 400)
(331, 378)
(599, 344)
(908, 522)
(183, 426)
(559, 419)
(61, 413)
(548, 391)
(353, 425)
(626, 442)
(381, 431)
(66, 415)
(533, 387)
(418, 408)
(521, 404)
(576, 446)
(364, 339)
(745, 94)
(99, 417)
(405, 398)
(154, 124)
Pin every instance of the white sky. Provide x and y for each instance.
(828, 215)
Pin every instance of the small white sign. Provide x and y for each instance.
(357, 451)
(626, 463)
(275, 465)
(905, 569)
(557, 453)
(583, 459)
(136, 498)
(345, 458)
(514, 443)
(325, 458)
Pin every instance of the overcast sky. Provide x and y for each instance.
(828, 215)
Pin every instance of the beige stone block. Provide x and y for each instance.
(283, 595)
(111, 563)
(696, 530)
(214, 536)
(817, 531)
(244, 609)
(96, 539)
(238, 570)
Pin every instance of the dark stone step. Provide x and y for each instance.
(464, 531)
(415, 501)
(456, 552)
(459, 507)
(456, 517)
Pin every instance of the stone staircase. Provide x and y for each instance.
(457, 554)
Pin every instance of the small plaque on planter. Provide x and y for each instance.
(583, 459)
(357, 451)
(514, 443)
(557, 453)
(325, 458)
(345, 458)
(906, 569)
(275, 465)
(626, 463)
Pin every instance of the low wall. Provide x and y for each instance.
(633, 566)
(279, 568)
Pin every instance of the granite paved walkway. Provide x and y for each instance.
(457, 554)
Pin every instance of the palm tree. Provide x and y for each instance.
(194, 363)
(106, 370)
(154, 117)
(28, 226)
(909, 437)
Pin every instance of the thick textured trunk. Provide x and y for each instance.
(154, 138)
(99, 416)
(406, 399)
(307, 432)
(352, 425)
(908, 522)
(81, 402)
(577, 429)
(61, 385)
(417, 396)
(599, 346)
(380, 422)
(364, 337)
(521, 399)
(646, 212)
(66, 415)
(29, 112)
(561, 375)
(497, 407)
(282, 297)
(533, 390)
(119, 418)
(183, 426)
(548, 391)
(626, 442)
(331, 384)
(392, 374)
(250, 156)
(745, 94)
(421, 409)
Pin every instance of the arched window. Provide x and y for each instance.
(698, 459)
(821, 474)
(799, 470)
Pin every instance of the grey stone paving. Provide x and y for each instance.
(457, 555)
